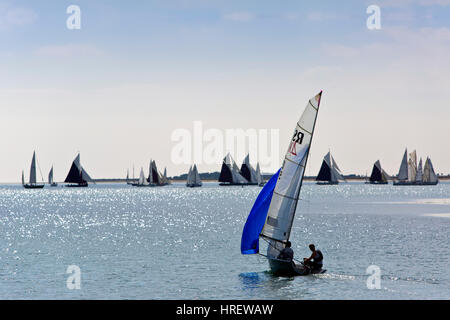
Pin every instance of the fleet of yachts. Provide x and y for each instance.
(410, 173)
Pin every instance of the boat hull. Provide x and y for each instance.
(224, 184)
(407, 183)
(80, 185)
(193, 185)
(285, 268)
(325, 183)
(33, 186)
(377, 182)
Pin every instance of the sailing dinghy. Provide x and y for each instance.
(193, 178)
(273, 212)
(33, 182)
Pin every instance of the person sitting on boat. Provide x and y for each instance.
(315, 260)
(287, 253)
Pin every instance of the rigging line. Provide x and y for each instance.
(40, 171)
(277, 250)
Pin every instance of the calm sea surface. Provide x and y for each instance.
(179, 243)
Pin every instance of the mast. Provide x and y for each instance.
(33, 169)
(285, 197)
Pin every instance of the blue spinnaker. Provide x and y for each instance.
(257, 218)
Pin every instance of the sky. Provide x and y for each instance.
(135, 72)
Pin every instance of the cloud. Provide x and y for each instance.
(68, 50)
(321, 16)
(409, 3)
(239, 16)
(11, 17)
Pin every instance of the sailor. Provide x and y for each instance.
(315, 260)
(287, 253)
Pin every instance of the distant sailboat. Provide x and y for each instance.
(329, 172)
(248, 172)
(259, 177)
(51, 182)
(273, 212)
(165, 179)
(419, 173)
(33, 182)
(155, 178)
(142, 182)
(193, 178)
(429, 176)
(229, 174)
(378, 176)
(77, 176)
(411, 174)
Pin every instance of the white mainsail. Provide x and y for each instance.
(189, 179)
(403, 171)
(429, 175)
(141, 181)
(286, 194)
(237, 177)
(336, 174)
(259, 178)
(197, 179)
(23, 178)
(33, 169)
(412, 166)
(419, 174)
(84, 174)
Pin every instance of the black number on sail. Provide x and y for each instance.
(298, 137)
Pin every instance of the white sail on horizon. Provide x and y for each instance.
(419, 174)
(412, 166)
(141, 181)
(429, 176)
(259, 178)
(403, 171)
(33, 169)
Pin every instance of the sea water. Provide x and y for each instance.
(175, 242)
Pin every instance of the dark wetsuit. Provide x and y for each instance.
(316, 262)
(286, 254)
